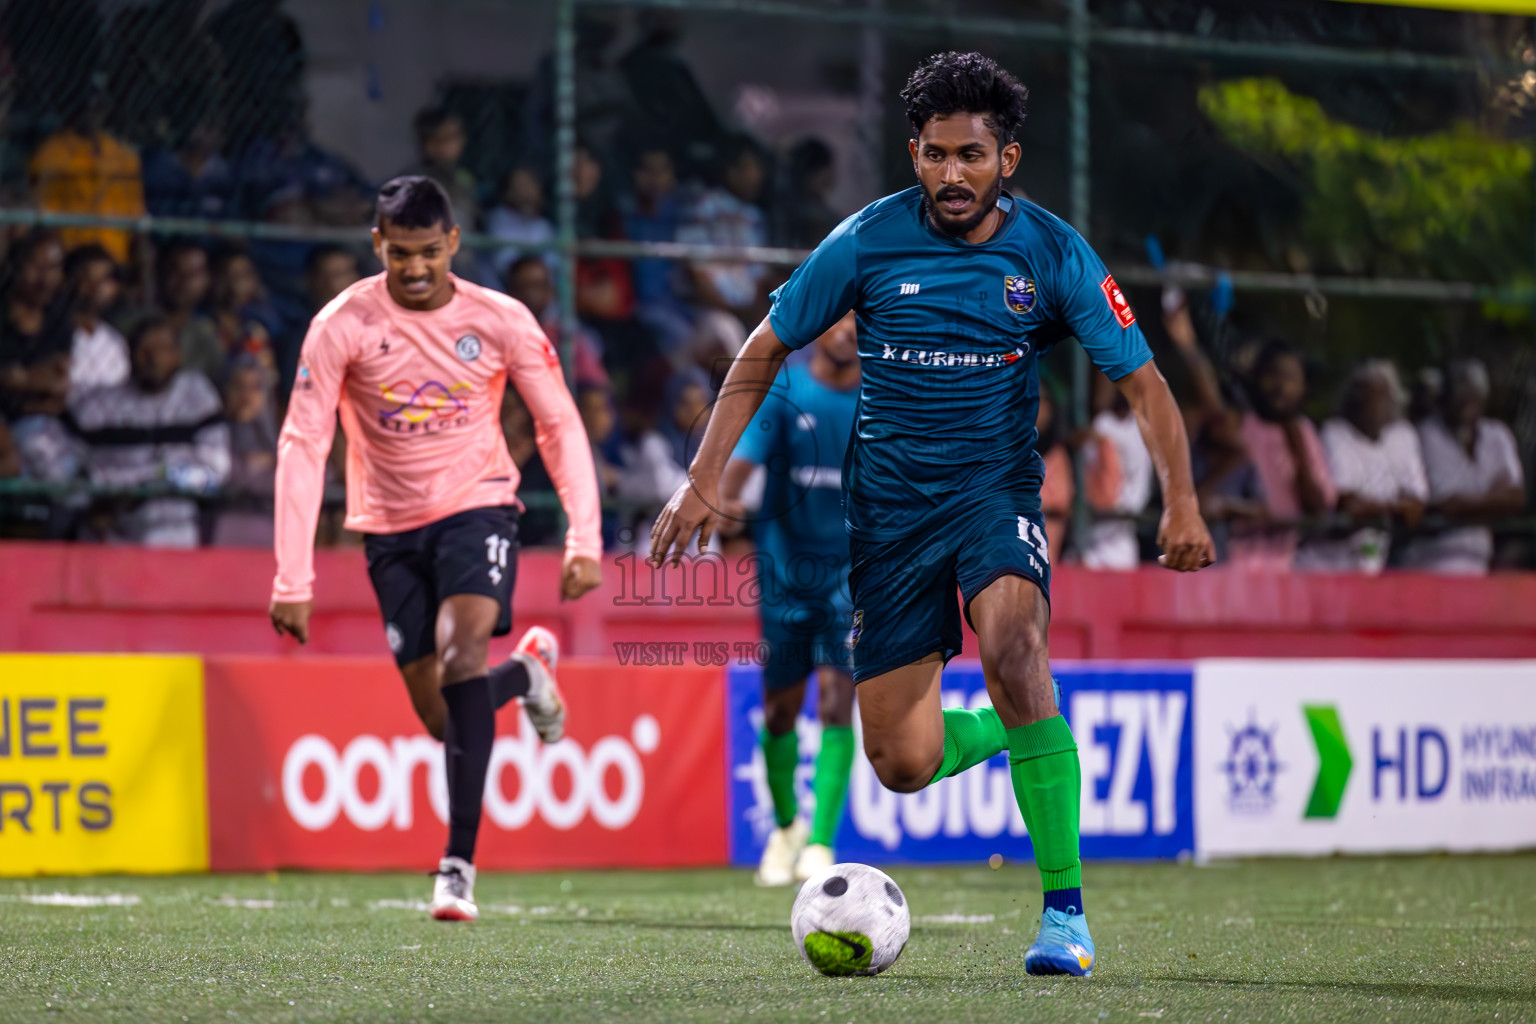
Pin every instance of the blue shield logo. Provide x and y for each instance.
(1019, 293)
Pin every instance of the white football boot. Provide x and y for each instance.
(539, 652)
(453, 893)
(815, 857)
(778, 864)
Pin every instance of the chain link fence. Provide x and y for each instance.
(1355, 178)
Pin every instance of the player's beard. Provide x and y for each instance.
(962, 228)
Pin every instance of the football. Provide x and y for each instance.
(850, 919)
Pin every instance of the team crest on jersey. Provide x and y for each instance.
(1019, 293)
(468, 348)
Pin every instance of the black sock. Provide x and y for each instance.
(1068, 901)
(467, 741)
(508, 680)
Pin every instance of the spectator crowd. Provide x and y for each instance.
(154, 370)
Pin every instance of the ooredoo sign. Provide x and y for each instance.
(321, 764)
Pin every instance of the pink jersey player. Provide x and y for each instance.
(416, 362)
(420, 400)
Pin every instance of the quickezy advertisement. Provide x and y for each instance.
(1134, 736)
(322, 764)
(1311, 757)
(101, 765)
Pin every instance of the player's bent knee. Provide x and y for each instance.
(779, 716)
(1017, 653)
(901, 772)
(463, 658)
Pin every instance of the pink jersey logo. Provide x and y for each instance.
(416, 404)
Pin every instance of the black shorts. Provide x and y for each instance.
(470, 552)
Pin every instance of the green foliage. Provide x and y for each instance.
(1452, 205)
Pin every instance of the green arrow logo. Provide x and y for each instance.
(1333, 760)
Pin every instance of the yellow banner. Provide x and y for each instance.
(102, 765)
(1486, 6)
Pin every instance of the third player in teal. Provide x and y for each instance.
(799, 438)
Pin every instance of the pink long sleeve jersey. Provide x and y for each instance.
(419, 395)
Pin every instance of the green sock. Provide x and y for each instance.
(834, 763)
(970, 737)
(782, 755)
(1047, 783)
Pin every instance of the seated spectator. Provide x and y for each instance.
(98, 353)
(653, 211)
(289, 180)
(440, 141)
(647, 469)
(519, 216)
(164, 426)
(281, 262)
(1058, 491)
(667, 93)
(82, 168)
(1111, 541)
(1474, 472)
(728, 295)
(191, 180)
(806, 214)
(35, 341)
(604, 105)
(1226, 479)
(688, 405)
(1293, 469)
(184, 284)
(245, 512)
(242, 318)
(1230, 491)
(329, 271)
(596, 406)
(1374, 459)
(604, 290)
(528, 281)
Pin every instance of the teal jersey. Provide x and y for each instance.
(950, 335)
(800, 437)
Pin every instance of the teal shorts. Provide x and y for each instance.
(904, 604)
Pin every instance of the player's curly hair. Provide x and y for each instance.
(947, 83)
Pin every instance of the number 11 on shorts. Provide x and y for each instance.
(496, 548)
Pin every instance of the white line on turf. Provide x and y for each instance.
(75, 899)
(957, 919)
(230, 901)
(416, 905)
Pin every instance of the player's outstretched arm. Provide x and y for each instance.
(695, 506)
(1182, 535)
(302, 449)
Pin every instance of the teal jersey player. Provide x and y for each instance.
(958, 288)
(799, 437)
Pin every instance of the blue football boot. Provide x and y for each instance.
(1062, 947)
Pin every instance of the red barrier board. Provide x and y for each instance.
(321, 763)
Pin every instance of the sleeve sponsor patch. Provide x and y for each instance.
(1117, 302)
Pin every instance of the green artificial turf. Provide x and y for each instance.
(1422, 939)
